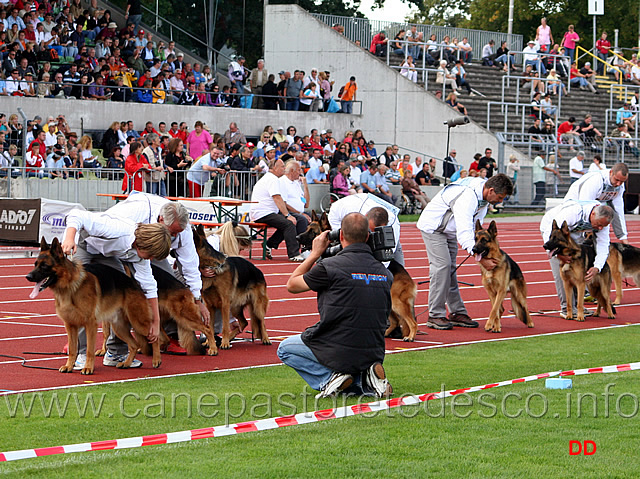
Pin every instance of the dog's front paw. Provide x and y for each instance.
(408, 339)
(87, 371)
(212, 351)
(266, 342)
(225, 344)
(66, 368)
(156, 363)
(101, 352)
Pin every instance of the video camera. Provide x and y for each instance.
(381, 241)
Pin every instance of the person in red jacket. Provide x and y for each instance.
(135, 162)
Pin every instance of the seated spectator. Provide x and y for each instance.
(488, 57)
(554, 84)
(547, 105)
(144, 95)
(504, 58)
(398, 45)
(408, 69)
(590, 76)
(536, 107)
(597, 164)
(568, 131)
(379, 44)
(452, 101)
(443, 76)
(588, 131)
(392, 174)
(269, 207)
(341, 185)
(533, 58)
(412, 190)
(626, 116)
(466, 51)
(116, 162)
(530, 76)
(461, 76)
(578, 78)
(34, 162)
(425, 175)
(383, 186)
(8, 159)
(316, 175)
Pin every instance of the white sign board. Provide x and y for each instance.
(596, 7)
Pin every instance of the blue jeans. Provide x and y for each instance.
(293, 104)
(538, 65)
(347, 106)
(157, 188)
(297, 355)
(600, 67)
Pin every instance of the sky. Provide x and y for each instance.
(393, 10)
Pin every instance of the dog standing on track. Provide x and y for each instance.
(624, 261)
(505, 277)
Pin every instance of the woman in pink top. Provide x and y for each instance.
(543, 35)
(198, 141)
(569, 43)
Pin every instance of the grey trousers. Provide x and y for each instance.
(555, 270)
(443, 281)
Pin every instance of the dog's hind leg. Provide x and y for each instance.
(72, 339)
(393, 324)
(616, 274)
(106, 330)
(258, 310)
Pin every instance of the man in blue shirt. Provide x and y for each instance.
(316, 175)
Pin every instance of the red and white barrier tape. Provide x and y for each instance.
(283, 421)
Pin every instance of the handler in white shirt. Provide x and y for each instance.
(447, 220)
(269, 208)
(607, 187)
(362, 203)
(580, 216)
(112, 240)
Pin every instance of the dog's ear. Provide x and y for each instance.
(198, 235)
(44, 246)
(56, 248)
(565, 228)
(314, 216)
(324, 222)
(493, 229)
(554, 225)
(478, 225)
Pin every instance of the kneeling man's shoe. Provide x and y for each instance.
(377, 380)
(338, 382)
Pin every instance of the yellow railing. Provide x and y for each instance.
(597, 59)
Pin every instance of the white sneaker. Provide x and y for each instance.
(377, 380)
(81, 360)
(337, 382)
(267, 252)
(112, 360)
(297, 259)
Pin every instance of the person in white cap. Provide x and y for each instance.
(531, 57)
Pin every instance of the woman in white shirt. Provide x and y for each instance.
(443, 76)
(310, 99)
(408, 69)
(597, 164)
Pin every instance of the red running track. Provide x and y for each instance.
(32, 326)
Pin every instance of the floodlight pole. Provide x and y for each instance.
(446, 153)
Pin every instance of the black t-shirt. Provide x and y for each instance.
(488, 163)
(135, 7)
(423, 175)
(535, 131)
(354, 302)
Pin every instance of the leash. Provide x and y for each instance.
(460, 282)
(24, 360)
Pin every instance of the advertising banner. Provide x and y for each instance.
(19, 220)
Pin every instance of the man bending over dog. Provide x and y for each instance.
(113, 241)
(364, 203)
(344, 351)
(147, 208)
(606, 186)
(581, 216)
(447, 220)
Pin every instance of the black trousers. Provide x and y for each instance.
(285, 230)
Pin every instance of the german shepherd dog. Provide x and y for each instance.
(505, 277)
(624, 261)
(403, 289)
(85, 295)
(236, 283)
(573, 273)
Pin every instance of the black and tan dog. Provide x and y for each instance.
(403, 289)
(505, 278)
(573, 273)
(624, 261)
(85, 295)
(230, 284)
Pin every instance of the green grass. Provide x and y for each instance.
(414, 218)
(405, 442)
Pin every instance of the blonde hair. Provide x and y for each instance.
(85, 142)
(232, 238)
(154, 239)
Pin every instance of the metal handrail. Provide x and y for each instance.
(613, 112)
(523, 116)
(597, 59)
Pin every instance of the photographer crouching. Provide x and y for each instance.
(344, 351)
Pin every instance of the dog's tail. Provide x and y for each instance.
(519, 302)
